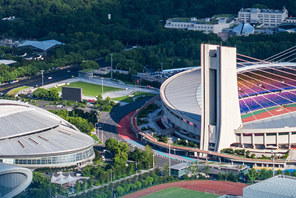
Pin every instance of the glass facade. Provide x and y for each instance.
(58, 159)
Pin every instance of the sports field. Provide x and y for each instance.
(176, 192)
(89, 89)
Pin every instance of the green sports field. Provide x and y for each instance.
(176, 192)
(130, 99)
(89, 89)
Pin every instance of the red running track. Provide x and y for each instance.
(274, 112)
(124, 128)
(217, 187)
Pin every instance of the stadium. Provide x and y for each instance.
(32, 137)
(231, 101)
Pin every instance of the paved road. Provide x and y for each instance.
(58, 75)
(108, 122)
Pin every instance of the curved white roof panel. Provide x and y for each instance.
(43, 45)
(182, 92)
(28, 130)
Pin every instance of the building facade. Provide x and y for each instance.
(267, 17)
(204, 25)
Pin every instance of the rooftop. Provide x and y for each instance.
(278, 186)
(7, 62)
(28, 130)
(42, 45)
(183, 92)
(180, 166)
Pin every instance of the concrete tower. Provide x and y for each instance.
(221, 112)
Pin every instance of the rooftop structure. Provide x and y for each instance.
(280, 186)
(207, 25)
(267, 17)
(41, 45)
(244, 29)
(7, 62)
(33, 137)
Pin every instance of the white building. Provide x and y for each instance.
(267, 17)
(208, 25)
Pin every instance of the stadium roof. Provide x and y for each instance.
(278, 186)
(7, 62)
(183, 92)
(28, 130)
(42, 45)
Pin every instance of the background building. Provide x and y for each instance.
(207, 25)
(32, 137)
(267, 17)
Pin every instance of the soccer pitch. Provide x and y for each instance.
(89, 89)
(176, 192)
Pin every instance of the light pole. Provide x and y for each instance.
(272, 163)
(102, 88)
(111, 66)
(102, 134)
(42, 76)
(169, 142)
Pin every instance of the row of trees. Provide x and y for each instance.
(46, 94)
(88, 34)
(84, 121)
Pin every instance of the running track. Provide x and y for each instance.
(217, 187)
(274, 112)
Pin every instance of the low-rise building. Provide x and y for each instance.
(267, 17)
(207, 25)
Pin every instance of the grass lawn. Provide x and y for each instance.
(176, 192)
(89, 89)
(130, 99)
(15, 90)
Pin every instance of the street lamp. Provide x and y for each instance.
(102, 87)
(42, 72)
(111, 66)
(170, 142)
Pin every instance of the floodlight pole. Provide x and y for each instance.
(42, 76)
(102, 88)
(272, 163)
(169, 141)
(111, 66)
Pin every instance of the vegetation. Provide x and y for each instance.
(88, 34)
(84, 121)
(175, 192)
(50, 94)
(14, 91)
(90, 89)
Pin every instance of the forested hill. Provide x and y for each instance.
(84, 27)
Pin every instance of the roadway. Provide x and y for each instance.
(108, 123)
(56, 76)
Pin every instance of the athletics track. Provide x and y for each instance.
(216, 187)
(270, 113)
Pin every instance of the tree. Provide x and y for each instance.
(252, 175)
(220, 176)
(112, 145)
(120, 190)
(89, 65)
(77, 186)
(207, 169)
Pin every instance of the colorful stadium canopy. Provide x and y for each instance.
(42, 45)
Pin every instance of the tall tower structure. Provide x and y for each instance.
(221, 112)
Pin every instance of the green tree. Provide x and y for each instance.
(252, 175)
